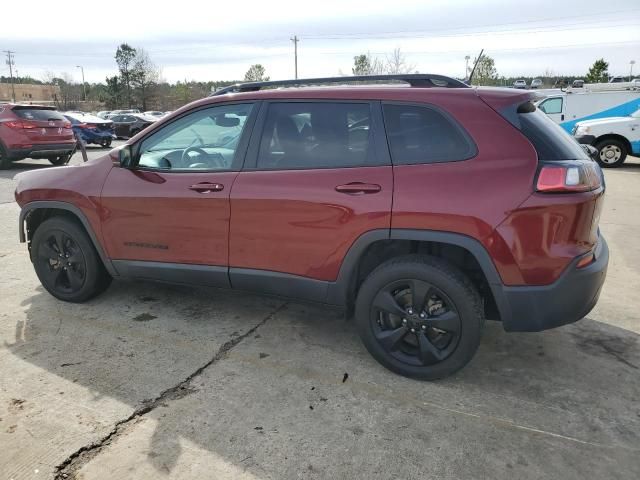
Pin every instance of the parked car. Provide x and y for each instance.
(90, 129)
(357, 197)
(617, 79)
(128, 125)
(536, 83)
(103, 114)
(31, 131)
(520, 84)
(577, 84)
(613, 137)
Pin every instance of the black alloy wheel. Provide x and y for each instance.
(61, 262)
(415, 322)
(419, 316)
(66, 261)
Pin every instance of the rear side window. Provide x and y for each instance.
(421, 134)
(549, 139)
(299, 135)
(39, 114)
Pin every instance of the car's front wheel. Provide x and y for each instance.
(611, 153)
(66, 261)
(419, 316)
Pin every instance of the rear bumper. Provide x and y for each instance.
(567, 300)
(41, 151)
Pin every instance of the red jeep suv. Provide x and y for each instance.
(421, 207)
(31, 131)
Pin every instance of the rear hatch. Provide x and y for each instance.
(44, 124)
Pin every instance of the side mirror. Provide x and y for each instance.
(121, 156)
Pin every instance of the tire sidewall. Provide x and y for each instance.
(93, 265)
(465, 302)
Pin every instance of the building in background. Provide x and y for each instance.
(26, 93)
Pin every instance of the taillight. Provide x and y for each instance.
(20, 124)
(579, 176)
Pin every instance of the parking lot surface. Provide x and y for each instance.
(155, 381)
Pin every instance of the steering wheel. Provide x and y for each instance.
(185, 153)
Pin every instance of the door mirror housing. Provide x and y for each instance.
(122, 156)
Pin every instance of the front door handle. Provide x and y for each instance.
(358, 188)
(207, 187)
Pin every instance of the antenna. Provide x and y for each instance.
(474, 67)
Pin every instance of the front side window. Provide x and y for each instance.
(203, 140)
(315, 135)
(551, 105)
(421, 134)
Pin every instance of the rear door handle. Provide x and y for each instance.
(358, 188)
(207, 187)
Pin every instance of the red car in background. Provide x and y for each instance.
(32, 131)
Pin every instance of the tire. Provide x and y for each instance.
(60, 161)
(60, 240)
(4, 159)
(611, 153)
(422, 343)
(134, 132)
(106, 143)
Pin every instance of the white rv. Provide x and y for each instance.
(593, 101)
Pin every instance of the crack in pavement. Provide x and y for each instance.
(68, 468)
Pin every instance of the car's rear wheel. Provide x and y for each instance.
(60, 160)
(4, 159)
(66, 261)
(106, 142)
(611, 153)
(419, 317)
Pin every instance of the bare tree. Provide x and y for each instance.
(397, 63)
(145, 75)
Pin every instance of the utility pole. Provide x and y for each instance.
(295, 41)
(11, 63)
(631, 63)
(84, 89)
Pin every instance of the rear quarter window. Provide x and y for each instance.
(551, 141)
(39, 114)
(424, 134)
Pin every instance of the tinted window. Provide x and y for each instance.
(203, 140)
(38, 114)
(315, 135)
(419, 134)
(549, 139)
(551, 105)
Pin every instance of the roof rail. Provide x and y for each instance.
(413, 79)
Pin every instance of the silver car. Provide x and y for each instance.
(536, 83)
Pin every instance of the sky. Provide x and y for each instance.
(197, 40)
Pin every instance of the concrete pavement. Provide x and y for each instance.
(155, 381)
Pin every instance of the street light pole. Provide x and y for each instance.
(466, 66)
(295, 41)
(84, 88)
(631, 63)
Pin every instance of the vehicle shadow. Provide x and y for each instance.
(138, 339)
